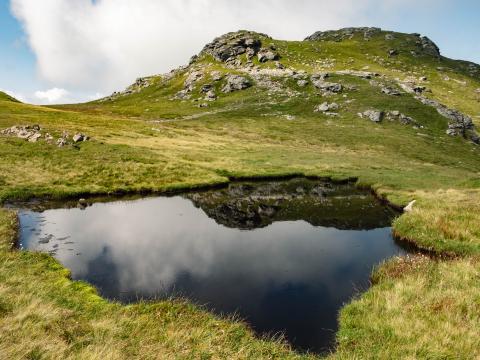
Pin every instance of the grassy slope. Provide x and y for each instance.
(146, 142)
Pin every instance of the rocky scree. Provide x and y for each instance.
(33, 133)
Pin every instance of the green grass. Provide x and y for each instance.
(176, 145)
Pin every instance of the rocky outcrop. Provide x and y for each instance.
(326, 107)
(344, 34)
(428, 46)
(396, 115)
(458, 124)
(228, 47)
(33, 133)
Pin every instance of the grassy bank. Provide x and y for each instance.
(420, 308)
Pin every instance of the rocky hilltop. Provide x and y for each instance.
(393, 64)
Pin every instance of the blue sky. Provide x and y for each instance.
(75, 50)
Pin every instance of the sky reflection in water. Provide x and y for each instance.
(287, 277)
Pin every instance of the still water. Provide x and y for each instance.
(284, 256)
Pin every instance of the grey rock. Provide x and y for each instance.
(61, 142)
(389, 37)
(302, 83)
(324, 107)
(210, 95)
(34, 137)
(265, 55)
(206, 88)
(429, 47)
(235, 82)
(361, 74)
(373, 115)
(79, 138)
(319, 76)
(233, 44)
(327, 86)
(216, 75)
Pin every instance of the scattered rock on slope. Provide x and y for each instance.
(459, 124)
(32, 133)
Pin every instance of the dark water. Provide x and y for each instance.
(284, 256)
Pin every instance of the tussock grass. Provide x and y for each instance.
(427, 310)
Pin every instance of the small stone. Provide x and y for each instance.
(61, 142)
(302, 83)
(392, 52)
(409, 207)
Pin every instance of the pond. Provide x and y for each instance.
(284, 256)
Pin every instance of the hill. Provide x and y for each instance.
(6, 97)
(383, 108)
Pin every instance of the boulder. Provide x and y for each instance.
(265, 55)
(374, 115)
(324, 107)
(302, 83)
(235, 82)
(210, 95)
(229, 46)
(216, 75)
(327, 86)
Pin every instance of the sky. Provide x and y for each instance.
(61, 51)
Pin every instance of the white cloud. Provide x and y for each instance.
(104, 45)
(52, 96)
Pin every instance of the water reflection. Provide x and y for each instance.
(283, 274)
